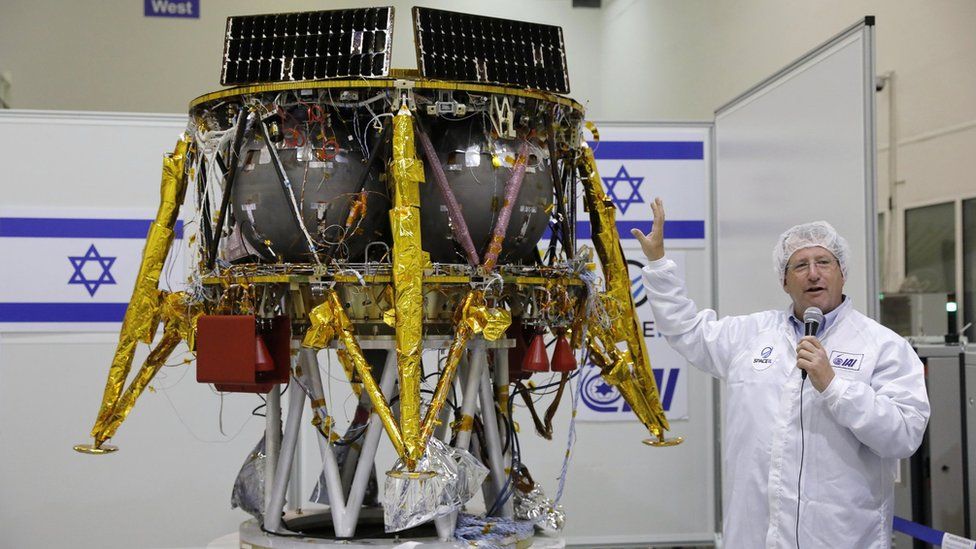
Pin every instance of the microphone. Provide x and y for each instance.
(812, 319)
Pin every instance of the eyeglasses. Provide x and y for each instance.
(804, 266)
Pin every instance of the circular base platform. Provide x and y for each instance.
(251, 536)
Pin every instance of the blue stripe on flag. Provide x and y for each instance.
(62, 312)
(69, 227)
(648, 150)
(672, 229)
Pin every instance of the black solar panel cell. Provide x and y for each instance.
(307, 46)
(465, 47)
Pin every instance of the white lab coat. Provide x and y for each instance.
(873, 412)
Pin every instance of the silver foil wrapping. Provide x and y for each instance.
(536, 507)
(413, 499)
(248, 494)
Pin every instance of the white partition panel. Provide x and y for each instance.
(798, 147)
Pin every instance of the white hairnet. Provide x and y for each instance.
(808, 235)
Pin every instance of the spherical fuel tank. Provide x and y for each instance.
(477, 169)
(325, 179)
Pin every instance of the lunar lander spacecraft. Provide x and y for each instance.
(377, 212)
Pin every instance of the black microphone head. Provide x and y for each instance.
(812, 319)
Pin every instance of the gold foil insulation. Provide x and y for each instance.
(329, 320)
(466, 423)
(628, 370)
(472, 316)
(322, 329)
(143, 313)
(357, 209)
(347, 366)
(409, 261)
(496, 323)
(179, 324)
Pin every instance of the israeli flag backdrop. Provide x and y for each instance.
(73, 270)
(638, 163)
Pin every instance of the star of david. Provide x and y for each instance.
(604, 389)
(634, 183)
(79, 277)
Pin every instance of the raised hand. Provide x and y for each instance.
(653, 243)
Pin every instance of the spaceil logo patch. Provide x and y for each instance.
(846, 361)
(763, 361)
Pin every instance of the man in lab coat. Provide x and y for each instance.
(824, 478)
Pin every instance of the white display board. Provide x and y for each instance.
(639, 162)
(600, 401)
(636, 494)
(798, 147)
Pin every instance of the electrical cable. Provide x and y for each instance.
(571, 435)
(241, 132)
(799, 477)
(346, 441)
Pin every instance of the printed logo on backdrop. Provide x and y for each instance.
(600, 401)
(635, 269)
(83, 266)
(602, 398)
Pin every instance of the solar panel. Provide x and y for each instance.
(309, 45)
(465, 47)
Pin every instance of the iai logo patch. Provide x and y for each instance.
(846, 361)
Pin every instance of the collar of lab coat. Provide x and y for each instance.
(794, 326)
